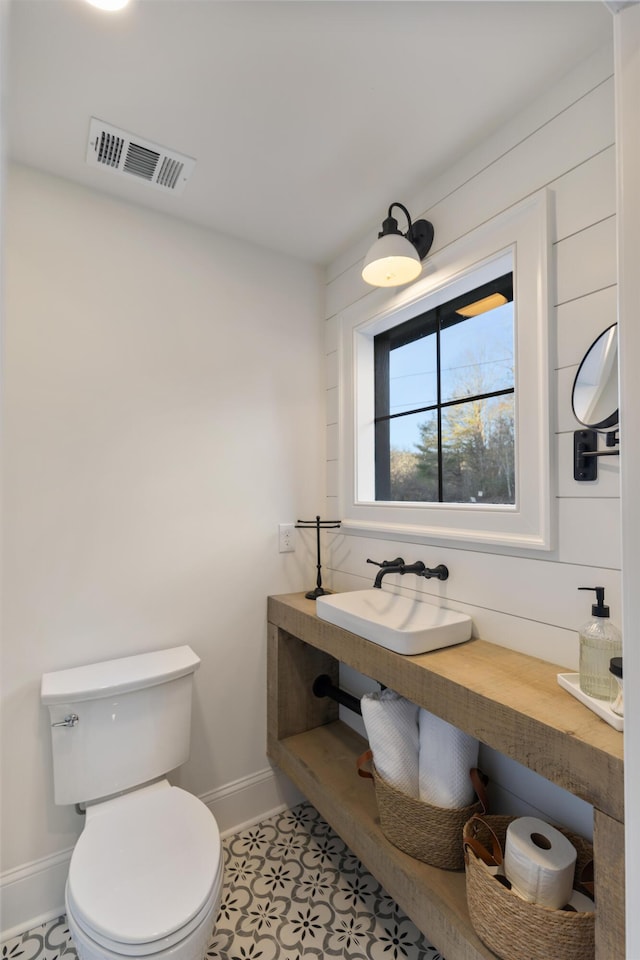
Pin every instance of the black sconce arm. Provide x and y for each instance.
(420, 233)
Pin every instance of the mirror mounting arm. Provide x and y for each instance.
(586, 453)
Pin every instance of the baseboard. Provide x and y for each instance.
(251, 799)
(33, 893)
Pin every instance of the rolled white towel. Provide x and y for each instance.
(391, 722)
(446, 755)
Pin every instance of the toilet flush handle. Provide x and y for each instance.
(71, 720)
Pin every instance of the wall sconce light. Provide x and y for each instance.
(396, 258)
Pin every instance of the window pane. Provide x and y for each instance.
(413, 375)
(478, 451)
(414, 457)
(477, 354)
(476, 343)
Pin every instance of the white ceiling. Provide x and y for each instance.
(307, 119)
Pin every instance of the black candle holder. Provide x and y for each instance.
(319, 525)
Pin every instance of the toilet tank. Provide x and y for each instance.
(133, 722)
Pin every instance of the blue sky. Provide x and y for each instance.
(477, 356)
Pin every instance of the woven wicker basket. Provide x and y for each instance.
(427, 833)
(508, 925)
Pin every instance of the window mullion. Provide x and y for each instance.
(382, 352)
(439, 409)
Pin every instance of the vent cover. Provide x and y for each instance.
(124, 153)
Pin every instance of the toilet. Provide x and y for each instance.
(145, 877)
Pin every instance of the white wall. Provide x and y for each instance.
(525, 601)
(162, 413)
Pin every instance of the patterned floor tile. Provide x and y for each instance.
(293, 891)
(51, 941)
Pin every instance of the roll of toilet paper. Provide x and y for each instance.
(539, 862)
(581, 902)
(391, 722)
(445, 758)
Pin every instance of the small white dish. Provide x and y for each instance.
(571, 683)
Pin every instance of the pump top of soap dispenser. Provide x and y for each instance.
(598, 609)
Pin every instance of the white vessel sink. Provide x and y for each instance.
(395, 622)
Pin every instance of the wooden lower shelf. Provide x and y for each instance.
(322, 764)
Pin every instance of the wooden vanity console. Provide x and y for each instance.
(509, 701)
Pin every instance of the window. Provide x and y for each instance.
(413, 406)
(444, 401)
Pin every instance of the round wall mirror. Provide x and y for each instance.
(595, 389)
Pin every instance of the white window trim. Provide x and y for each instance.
(522, 232)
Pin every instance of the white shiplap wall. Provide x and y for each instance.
(522, 600)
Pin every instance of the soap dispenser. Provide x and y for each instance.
(600, 640)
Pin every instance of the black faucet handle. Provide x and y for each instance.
(398, 562)
(440, 572)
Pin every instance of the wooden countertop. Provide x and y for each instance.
(508, 700)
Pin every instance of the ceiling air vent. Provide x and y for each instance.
(127, 155)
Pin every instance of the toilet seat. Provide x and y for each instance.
(167, 947)
(124, 949)
(146, 871)
(191, 947)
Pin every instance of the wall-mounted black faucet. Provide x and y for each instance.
(399, 566)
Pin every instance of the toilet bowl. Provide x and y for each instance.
(145, 877)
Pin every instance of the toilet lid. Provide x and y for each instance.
(146, 865)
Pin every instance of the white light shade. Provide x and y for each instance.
(110, 5)
(391, 261)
